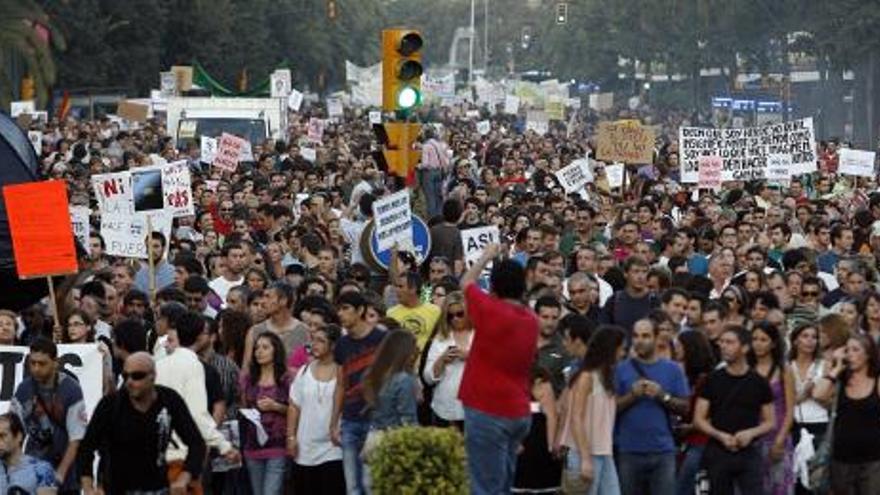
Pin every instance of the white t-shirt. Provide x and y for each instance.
(221, 286)
(315, 402)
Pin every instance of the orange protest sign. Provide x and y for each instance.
(39, 221)
(625, 141)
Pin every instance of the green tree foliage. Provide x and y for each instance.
(415, 460)
(22, 48)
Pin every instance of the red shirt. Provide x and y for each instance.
(497, 373)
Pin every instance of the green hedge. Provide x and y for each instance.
(419, 461)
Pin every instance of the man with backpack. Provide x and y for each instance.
(634, 302)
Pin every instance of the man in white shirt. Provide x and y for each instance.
(235, 266)
(183, 372)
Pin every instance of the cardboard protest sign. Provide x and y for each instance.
(778, 167)
(744, 151)
(280, 83)
(483, 127)
(555, 108)
(17, 108)
(79, 221)
(625, 141)
(315, 130)
(614, 175)
(474, 242)
(511, 104)
(710, 172)
(36, 139)
(126, 235)
(84, 361)
(183, 76)
(209, 149)
(573, 177)
(229, 150)
(147, 190)
(334, 107)
(294, 100)
(856, 162)
(177, 189)
(39, 222)
(393, 217)
(113, 192)
(133, 112)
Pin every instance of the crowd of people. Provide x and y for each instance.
(648, 339)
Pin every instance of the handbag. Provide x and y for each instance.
(820, 464)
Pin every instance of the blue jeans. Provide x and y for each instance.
(605, 481)
(431, 184)
(690, 466)
(267, 475)
(491, 443)
(354, 433)
(646, 474)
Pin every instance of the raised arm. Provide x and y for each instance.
(473, 273)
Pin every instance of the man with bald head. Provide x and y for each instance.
(132, 429)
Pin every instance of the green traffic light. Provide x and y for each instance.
(408, 97)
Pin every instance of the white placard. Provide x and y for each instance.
(114, 193)
(309, 154)
(280, 83)
(393, 217)
(614, 174)
(778, 167)
(537, 121)
(177, 189)
(334, 107)
(474, 242)
(79, 220)
(126, 235)
(483, 127)
(744, 151)
(315, 130)
(36, 139)
(209, 149)
(856, 162)
(17, 108)
(573, 177)
(84, 361)
(294, 100)
(511, 104)
(375, 117)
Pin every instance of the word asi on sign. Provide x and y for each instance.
(474, 242)
(393, 217)
(744, 151)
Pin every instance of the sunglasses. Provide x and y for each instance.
(135, 376)
(459, 314)
(810, 294)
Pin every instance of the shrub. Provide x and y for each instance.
(419, 461)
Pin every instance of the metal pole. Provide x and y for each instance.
(486, 36)
(471, 46)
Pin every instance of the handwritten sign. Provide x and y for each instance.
(126, 235)
(614, 175)
(334, 107)
(294, 100)
(511, 104)
(209, 149)
(574, 176)
(177, 189)
(393, 217)
(229, 151)
(113, 192)
(856, 162)
(625, 141)
(778, 167)
(537, 121)
(79, 221)
(39, 222)
(17, 108)
(474, 242)
(375, 117)
(710, 172)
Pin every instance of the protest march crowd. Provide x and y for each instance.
(657, 334)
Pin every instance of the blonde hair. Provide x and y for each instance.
(12, 316)
(456, 297)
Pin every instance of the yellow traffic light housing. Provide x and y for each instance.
(399, 156)
(401, 69)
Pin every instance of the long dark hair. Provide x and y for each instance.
(777, 353)
(602, 354)
(870, 347)
(395, 354)
(698, 356)
(795, 334)
(234, 326)
(279, 367)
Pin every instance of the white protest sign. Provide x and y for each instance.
(294, 100)
(79, 220)
(209, 149)
(483, 127)
(247, 152)
(316, 130)
(84, 361)
(474, 242)
(114, 193)
(614, 175)
(856, 162)
(375, 117)
(167, 84)
(309, 154)
(334, 107)
(573, 177)
(537, 121)
(126, 235)
(280, 83)
(177, 189)
(472, 114)
(511, 104)
(710, 172)
(36, 139)
(17, 108)
(778, 167)
(393, 218)
(744, 151)
(229, 150)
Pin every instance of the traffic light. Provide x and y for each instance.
(398, 156)
(561, 13)
(401, 69)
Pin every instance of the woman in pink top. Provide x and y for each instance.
(593, 409)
